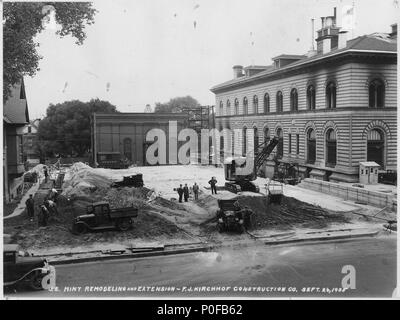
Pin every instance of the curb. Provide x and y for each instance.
(131, 256)
(343, 236)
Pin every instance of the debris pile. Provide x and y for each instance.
(291, 212)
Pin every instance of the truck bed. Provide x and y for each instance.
(124, 212)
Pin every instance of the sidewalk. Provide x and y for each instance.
(33, 190)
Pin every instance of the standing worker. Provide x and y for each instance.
(30, 207)
(46, 174)
(180, 193)
(43, 216)
(186, 192)
(213, 183)
(54, 194)
(196, 191)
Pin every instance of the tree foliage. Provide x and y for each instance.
(176, 105)
(22, 21)
(66, 128)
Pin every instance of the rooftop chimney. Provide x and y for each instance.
(393, 34)
(237, 71)
(342, 41)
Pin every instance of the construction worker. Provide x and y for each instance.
(54, 194)
(213, 183)
(186, 192)
(180, 193)
(196, 191)
(46, 174)
(43, 216)
(30, 207)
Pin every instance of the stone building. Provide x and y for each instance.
(332, 108)
(125, 133)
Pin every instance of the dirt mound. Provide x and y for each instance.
(289, 213)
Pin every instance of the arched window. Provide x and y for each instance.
(245, 106)
(236, 106)
(279, 151)
(376, 94)
(255, 104)
(266, 135)
(221, 108)
(376, 146)
(311, 146)
(311, 97)
(228, 108)
(293, 100)
(330, 148)
(266, 103)
(244, 142)
(128, 148)
(279, 101)
(331, 95)
(256, 141)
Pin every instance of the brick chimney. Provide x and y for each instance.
(237, 71)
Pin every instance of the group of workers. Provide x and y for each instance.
(184, 192)
(46, 209)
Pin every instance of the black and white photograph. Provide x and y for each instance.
(199, 149)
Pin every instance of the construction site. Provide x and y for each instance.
(162, 220)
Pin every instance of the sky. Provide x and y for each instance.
(141, 52)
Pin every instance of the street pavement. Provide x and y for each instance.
(297, 267)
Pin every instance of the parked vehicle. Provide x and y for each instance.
(99, 216)
(22, 268)
(111, 160)
(129, 181)
(232, 217)
(274, 191)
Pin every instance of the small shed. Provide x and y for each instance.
(369, 172)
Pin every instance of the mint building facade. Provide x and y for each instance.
(332, 108)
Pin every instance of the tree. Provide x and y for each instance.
(22, 21)
(176, 105)
(66, 128)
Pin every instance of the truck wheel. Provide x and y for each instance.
(123, 225)
(79, 228)
(35, 281)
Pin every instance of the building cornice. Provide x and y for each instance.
(302, 66)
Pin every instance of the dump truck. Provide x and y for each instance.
(99, 216)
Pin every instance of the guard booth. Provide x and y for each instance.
(369, 172)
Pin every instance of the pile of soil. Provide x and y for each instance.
(289, 213)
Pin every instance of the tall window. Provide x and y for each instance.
(311, 97)
(330, 148)
(279, 152)
(376, 94)
(256, 141)
(244, 142)
(255, 104)
(290, 143)
(311, 146)
(236, 106)
(221, 108)
(128, 148)
(228, 108)
(245, 106)
(266, 103)
(266, 135)
(279, 101)
(376, 146)
(297, 144)
(331, 95)
(293, 100)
